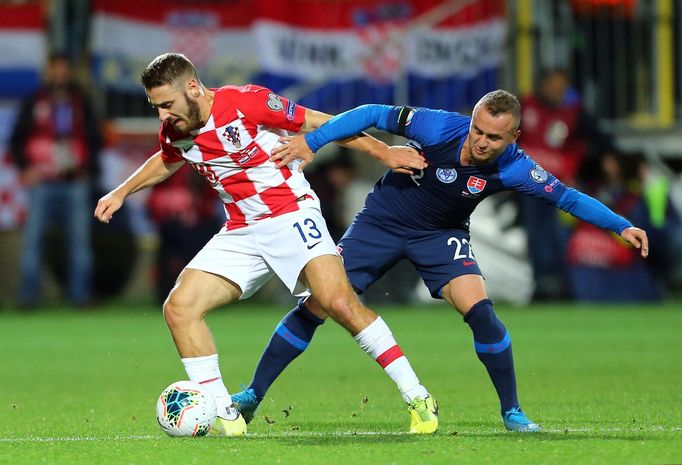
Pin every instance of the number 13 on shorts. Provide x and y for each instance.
(309, 232)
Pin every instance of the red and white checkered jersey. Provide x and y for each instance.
(232, 153)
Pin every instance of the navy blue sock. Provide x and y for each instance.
(493, 347)
(290, 338)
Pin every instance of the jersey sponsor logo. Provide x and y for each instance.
(291, 111)
(275, 102)
(476, 185)
(538, 174)
(313, 245)
(231, 133)
(446, 175)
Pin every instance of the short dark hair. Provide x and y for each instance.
(499, 102)
(167, 69)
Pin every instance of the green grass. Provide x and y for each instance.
(605, 383)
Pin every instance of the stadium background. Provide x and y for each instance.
(79, 387)
(331, 56)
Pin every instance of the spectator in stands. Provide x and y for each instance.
(603, 268)
(560, 135)
(187, 215)
(54, 144)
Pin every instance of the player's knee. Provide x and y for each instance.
(351, 314)
(341, 308)
(178, 311)
(313, 306)
(483, 319)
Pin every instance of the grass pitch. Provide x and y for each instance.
(604, 382)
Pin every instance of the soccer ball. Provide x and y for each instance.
(186, 408)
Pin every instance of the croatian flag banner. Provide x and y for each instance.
(22, 48)
(327, 55)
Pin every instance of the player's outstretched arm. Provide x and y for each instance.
(152, 172)
(398, 158)
(638, 238)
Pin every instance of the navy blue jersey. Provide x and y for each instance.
(444, 195)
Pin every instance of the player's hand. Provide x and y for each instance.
(292, 148)
(107, 206)
(637, 237)
(403, 159)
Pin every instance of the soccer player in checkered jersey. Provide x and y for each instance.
(274, 226)
(424, 217)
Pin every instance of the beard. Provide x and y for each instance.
(193, 113)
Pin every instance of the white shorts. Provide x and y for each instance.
(282, 245)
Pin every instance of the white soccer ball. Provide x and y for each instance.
(186, 408)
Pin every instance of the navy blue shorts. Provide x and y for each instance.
(369, 248)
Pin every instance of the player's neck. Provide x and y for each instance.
(465, 158)
(207, 105)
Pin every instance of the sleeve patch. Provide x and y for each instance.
(291, 111)
(538, 174)
(275, 102)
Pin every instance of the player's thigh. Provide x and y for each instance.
(369, 249)
(327, 281)
(198, 291)
(441, 256)
(235, 256)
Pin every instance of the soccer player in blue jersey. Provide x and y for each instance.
(424, 217)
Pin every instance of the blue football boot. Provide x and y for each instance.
(515, 420)
(246, 402)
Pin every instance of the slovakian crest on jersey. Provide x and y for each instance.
(475, 185)
(232, 153)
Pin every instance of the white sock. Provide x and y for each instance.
(205, 371)
(377, 341)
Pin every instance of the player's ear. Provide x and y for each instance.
(194, 88)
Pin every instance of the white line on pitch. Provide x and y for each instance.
(303, 434)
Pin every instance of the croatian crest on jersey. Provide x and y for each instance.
(446, 175)
(231, 133)
(476, 185)
(538, 174)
